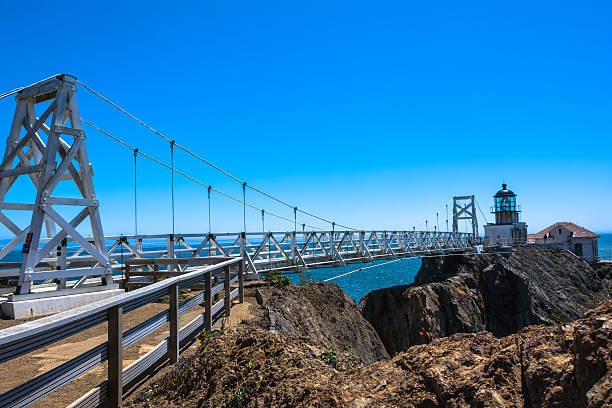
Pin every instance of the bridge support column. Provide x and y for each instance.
(47, 154)
(464, 208)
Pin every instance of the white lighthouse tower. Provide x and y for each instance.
(508, 228)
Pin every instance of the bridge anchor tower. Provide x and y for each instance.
(50, 151)
(464, 208)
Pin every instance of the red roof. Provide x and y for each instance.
(579, 232)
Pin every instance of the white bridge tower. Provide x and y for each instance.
(48, 148)
(464, 208)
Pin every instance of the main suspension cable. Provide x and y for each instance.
(481, 212)
(14, 91)
(186, 150)
(244, 203)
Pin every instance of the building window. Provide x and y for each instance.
(578, 249)
(559, 231)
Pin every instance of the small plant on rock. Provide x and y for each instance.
(240, 398)
(277, 280)
(205, 335)
(248, 367)
(329, 356)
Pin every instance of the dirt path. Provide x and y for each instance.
(24, 368)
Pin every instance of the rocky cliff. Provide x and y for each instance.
(323, 315)
(499, 293)
(541, 366)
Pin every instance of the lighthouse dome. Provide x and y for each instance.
(504, 192)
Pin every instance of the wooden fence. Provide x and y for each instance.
(28, 337)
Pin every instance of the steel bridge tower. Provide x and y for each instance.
(464, 208)
(52, 155)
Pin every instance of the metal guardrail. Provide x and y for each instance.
(262, 252)
(28, 337)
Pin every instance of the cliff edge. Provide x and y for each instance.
(499, 293)
(248, 365)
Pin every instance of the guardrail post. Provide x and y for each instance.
(61, 262)
(362, 243)
(226, 283)
(115, 357)
(126, 277)
(241, 282)
(293, 248)
(207, 302)
(156, 275)
(174, 323)
(243, 249)
(215, 282)
(170, 242)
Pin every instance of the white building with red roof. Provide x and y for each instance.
(567, 235)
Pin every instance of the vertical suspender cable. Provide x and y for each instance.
(294, 219)
(331, 241)
(263, 224)
(172, 180)
(135, 197)
(209, 238)
(263, 230)
(446, 217)
(209, 210)
(244, 206)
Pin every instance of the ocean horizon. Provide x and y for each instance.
(357, 283)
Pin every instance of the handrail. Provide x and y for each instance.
(30, 336)
(58, 320)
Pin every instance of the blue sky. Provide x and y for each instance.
(370, 114)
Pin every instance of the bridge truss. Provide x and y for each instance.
(265, 252)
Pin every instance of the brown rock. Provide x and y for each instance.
(494, 292)
(562, 366)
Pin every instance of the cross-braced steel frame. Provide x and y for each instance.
(464, 208)
(48, 148)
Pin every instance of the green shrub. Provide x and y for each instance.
(205, 335)
(277, 280)
(329, 356)
(240, 397)
(248, 367)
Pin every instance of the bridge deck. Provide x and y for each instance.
(263, 252)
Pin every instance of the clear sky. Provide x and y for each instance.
(373, 114)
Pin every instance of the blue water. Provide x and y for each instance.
(357, 284)
(399, 273)
(361, 282)
(605, 246)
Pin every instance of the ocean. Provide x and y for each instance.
(398, 273)
(358, 283)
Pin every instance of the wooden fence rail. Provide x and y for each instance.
(28, 337)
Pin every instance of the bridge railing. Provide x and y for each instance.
(28, 337)
(292, 250)
(262, 251)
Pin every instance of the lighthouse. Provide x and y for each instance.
(508, 228)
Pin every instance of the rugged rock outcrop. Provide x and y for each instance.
(324, 315)
(499, 293)
(541, 366)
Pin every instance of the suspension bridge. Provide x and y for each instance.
(46, 144)
(49, 259)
